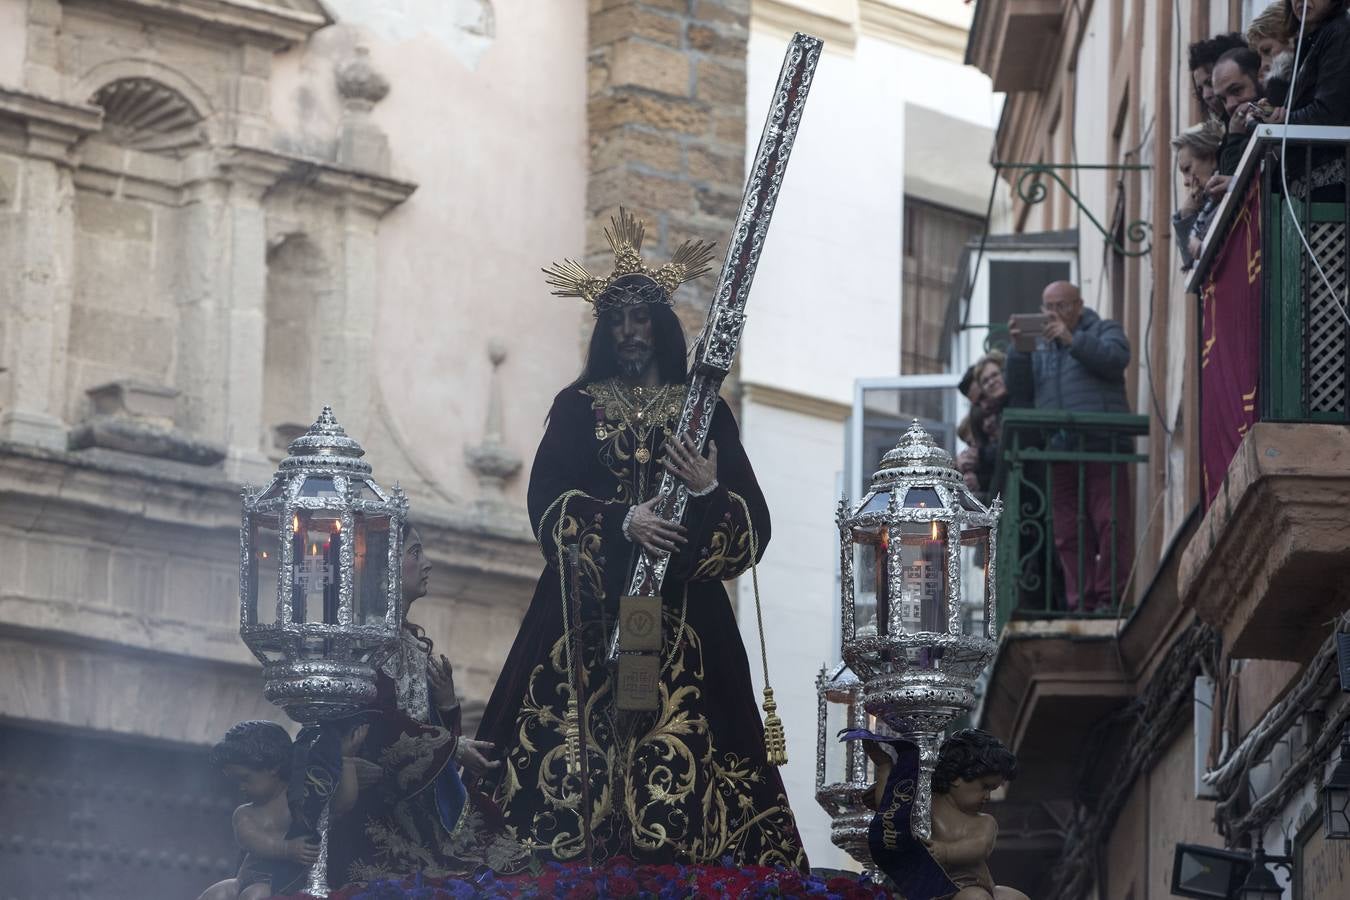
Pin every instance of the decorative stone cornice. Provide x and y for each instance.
(52, 126)
(373, 194)
(793, 401)
(910, 27)
(272, 23)
(833, 21)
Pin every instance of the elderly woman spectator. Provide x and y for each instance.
(1269, 36)
(1197, 152)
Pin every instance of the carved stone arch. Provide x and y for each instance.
(149, 106)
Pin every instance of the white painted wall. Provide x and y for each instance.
(493, 131)
(825, 312)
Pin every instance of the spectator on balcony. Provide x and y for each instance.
(1268, 35)
(1203, 55)
(1322, 85)
(1079, 366)
(1237, 85)
(1197, 150)
(1320, 92)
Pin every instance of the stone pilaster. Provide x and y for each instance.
(667, 125)
(36, 264)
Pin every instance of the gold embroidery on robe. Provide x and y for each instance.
(658, 780)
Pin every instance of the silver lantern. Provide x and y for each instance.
(917, 557)
(320, 555)
(844, 774)
(329, 541)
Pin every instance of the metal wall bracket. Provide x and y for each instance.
(1032, 189)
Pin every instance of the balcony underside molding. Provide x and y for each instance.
(1016, 42)
(1271, 558)
(1053, 681)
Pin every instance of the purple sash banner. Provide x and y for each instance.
(895, 850)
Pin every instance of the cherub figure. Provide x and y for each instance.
(257, 755)
(971, 765)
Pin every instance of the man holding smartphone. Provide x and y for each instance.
(1076, 363)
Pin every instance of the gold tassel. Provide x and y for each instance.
(572, 737)
(775, 740)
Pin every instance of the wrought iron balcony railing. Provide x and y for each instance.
(1276, 262)
(1046, 460)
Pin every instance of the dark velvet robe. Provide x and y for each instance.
(689, 783)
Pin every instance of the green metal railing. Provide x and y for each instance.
(1045, 455)
(1304, 370)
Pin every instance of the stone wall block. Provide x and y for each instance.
(719, 84)
(628, 146)
(630, 21)
(139, 344)
(609, 189)
(720, 204)
(727, 41)
(679, 115)
(718, 11)
(639, 64)
(715, 164)
(110, 217)
(729, 124)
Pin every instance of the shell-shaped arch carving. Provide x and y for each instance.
(147, 114)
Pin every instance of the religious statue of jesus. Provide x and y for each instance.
(688, 781)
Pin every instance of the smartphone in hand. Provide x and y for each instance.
(1029, 327)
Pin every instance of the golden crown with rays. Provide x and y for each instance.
(632, 281)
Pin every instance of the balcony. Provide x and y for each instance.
(1047, 457)
(1058, 671)
(1271, 557)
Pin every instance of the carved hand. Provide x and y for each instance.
(472, 756)
(684, 462)
(652, 532)
(441, 679)
(302, 850)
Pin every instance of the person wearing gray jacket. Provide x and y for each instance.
(1079, 366)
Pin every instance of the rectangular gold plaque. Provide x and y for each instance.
(639, 624)
(637, 676)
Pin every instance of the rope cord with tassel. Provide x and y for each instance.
(775, 740)
(572, 717)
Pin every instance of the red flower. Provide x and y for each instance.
(622, 886)
(583, 891)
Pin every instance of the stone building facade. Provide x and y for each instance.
(216, 218)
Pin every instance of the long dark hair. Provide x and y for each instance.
(417, 631)
(602, 359)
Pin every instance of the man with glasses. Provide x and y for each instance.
(1079, 366)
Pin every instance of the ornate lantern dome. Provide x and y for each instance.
(328, 540)
(917, 559)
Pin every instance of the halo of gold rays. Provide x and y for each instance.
(570, 278)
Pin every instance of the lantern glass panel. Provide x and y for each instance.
(974, 583)
(922, 498)
(922, 593)
(316, 572)
(370, 568)
(264, 543)
(274, 492)
(319, 486)
(875, 502)
(366, 491)
(836, 751)
(870, 579)
(1336, 812)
